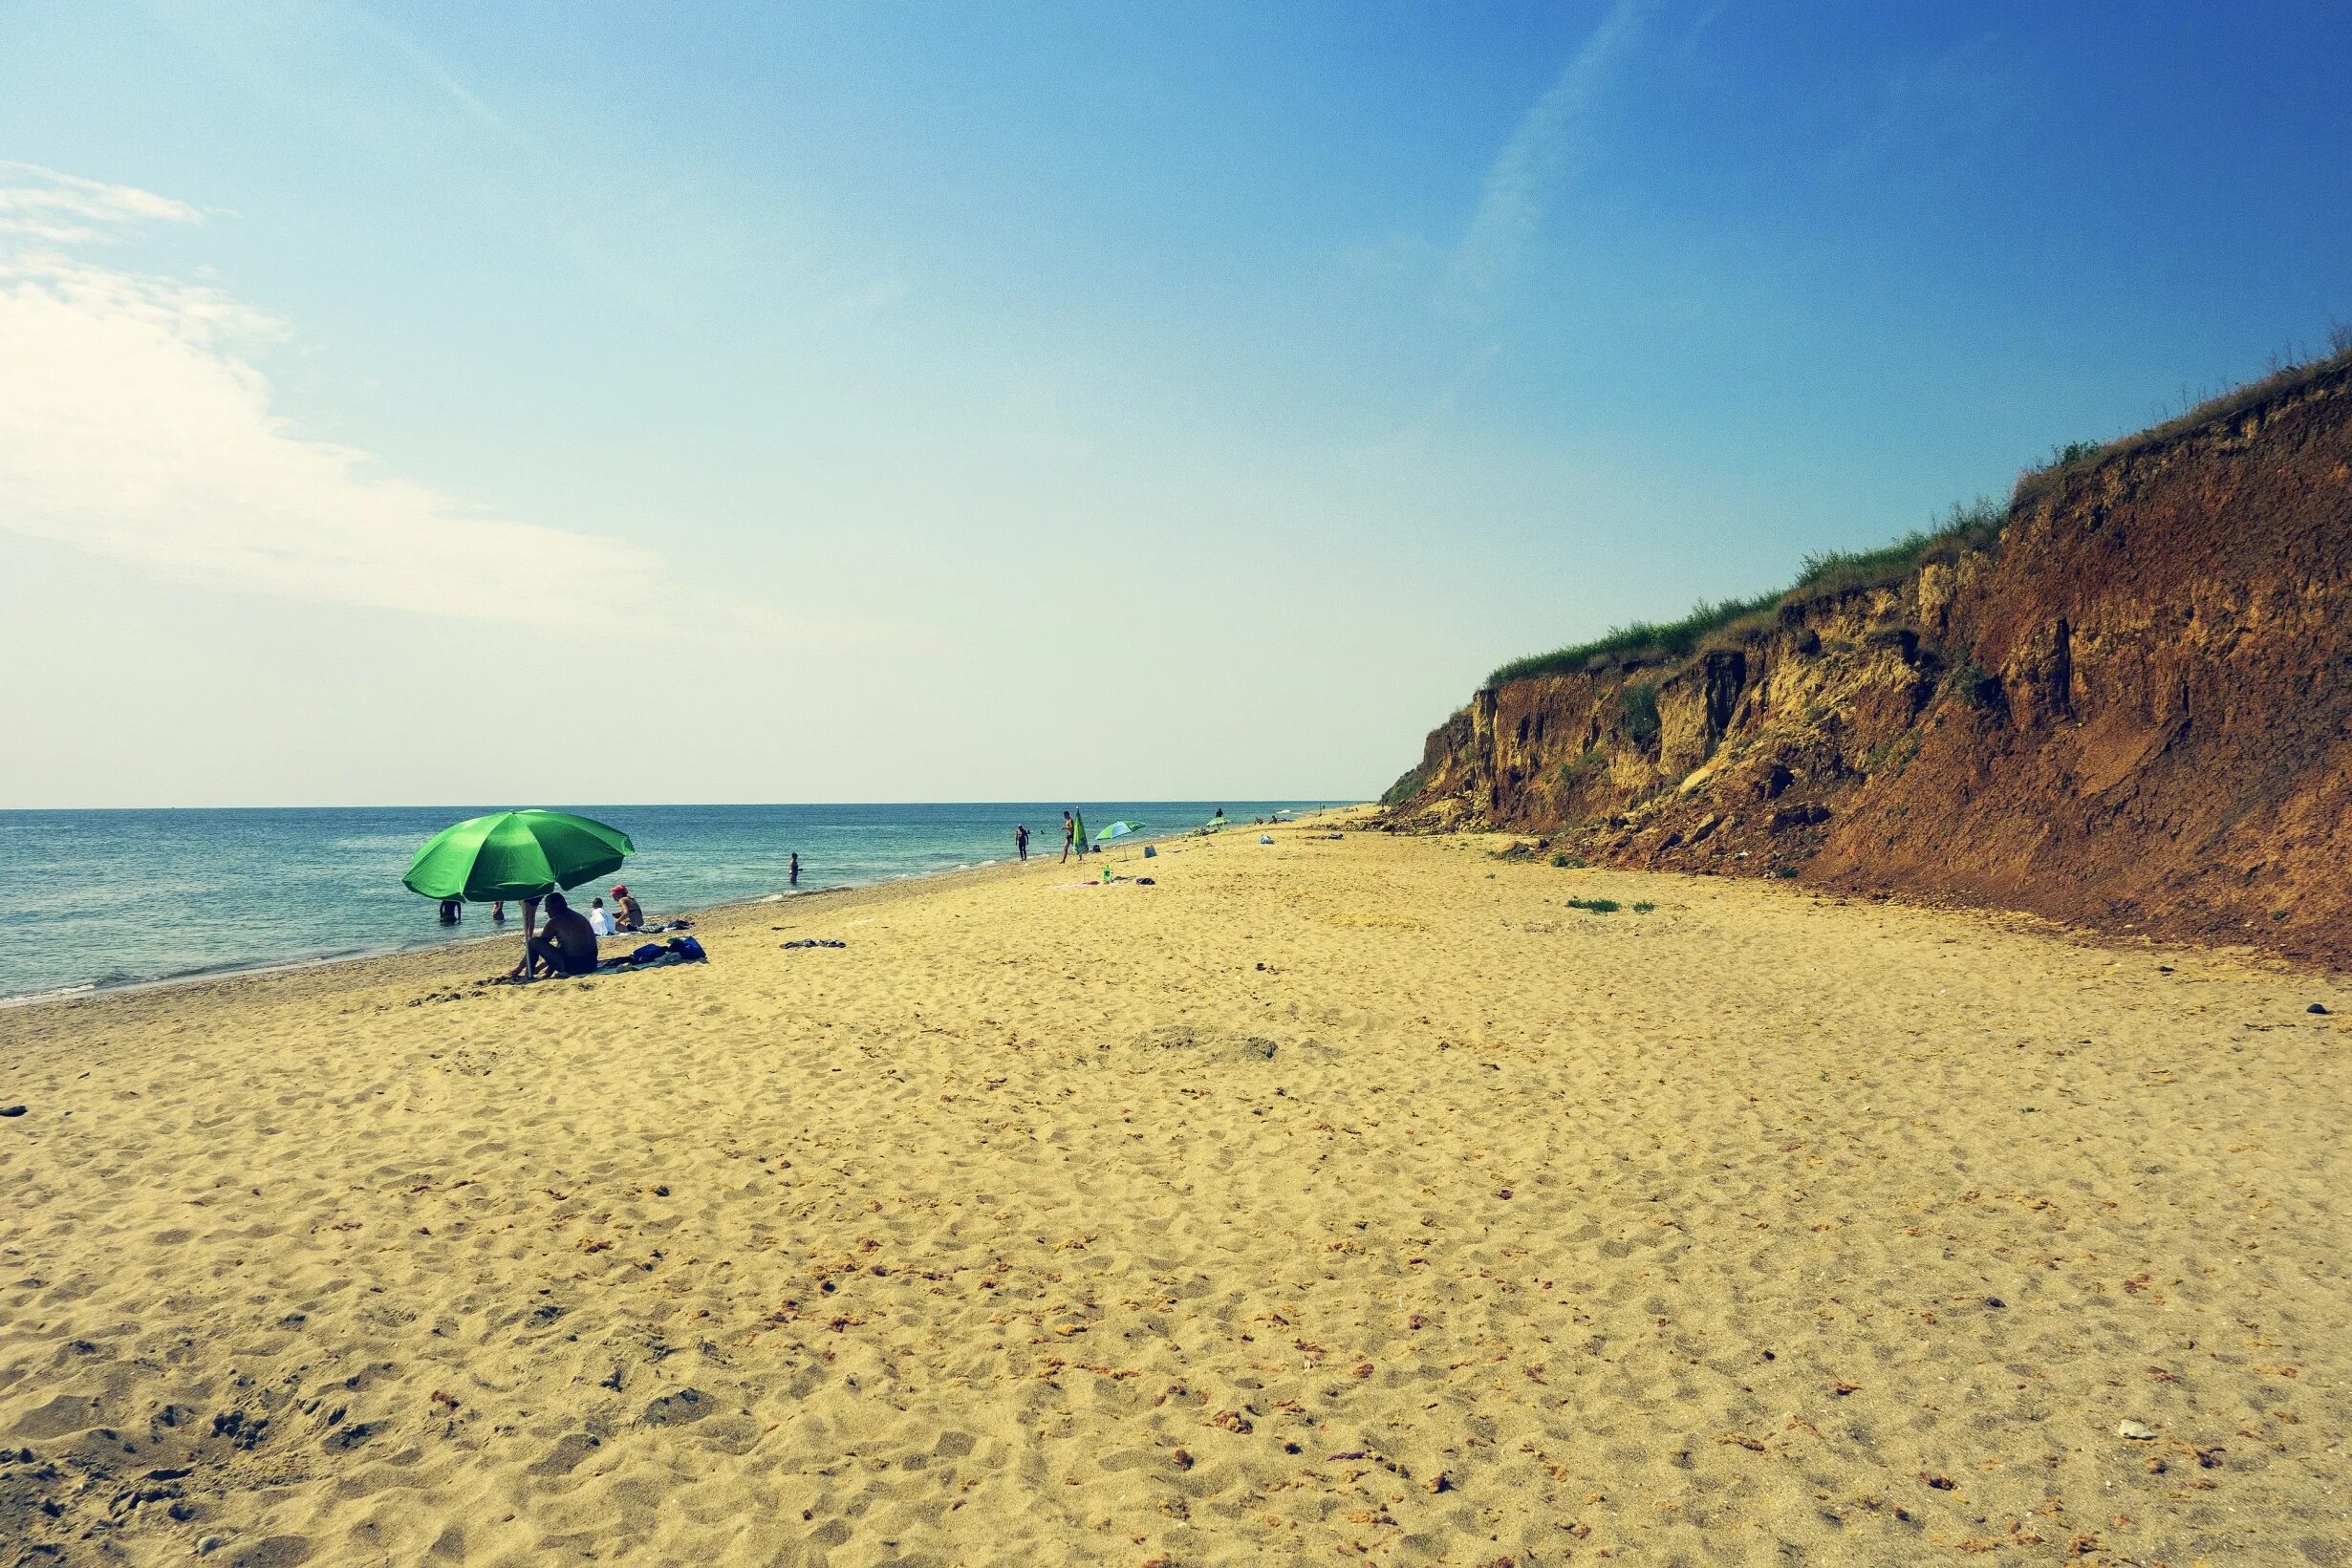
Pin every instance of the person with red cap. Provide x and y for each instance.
(631, 916)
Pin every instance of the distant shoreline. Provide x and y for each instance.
(244, 969)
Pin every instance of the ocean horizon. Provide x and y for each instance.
(129, 896)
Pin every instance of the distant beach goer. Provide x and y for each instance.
(631, 917)
(599, 919)
(564, 945)
(1069, 835)
(795, 869)
(452, 911)
(498, 911)
(1020, 841)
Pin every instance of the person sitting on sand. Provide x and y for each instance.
(565, 944)
(599, 919)
(630, 918)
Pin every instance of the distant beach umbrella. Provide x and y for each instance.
(515, 854)
(1118, 831)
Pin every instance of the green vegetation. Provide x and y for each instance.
(1640, 639)
(1891, 757)
(1560, 860)
(2287, 370)
(1404, 788)
(1591, 761)
(1974, 526)
(1970, 682)
(1643, 908)
(1638, 703)
(1597, 906)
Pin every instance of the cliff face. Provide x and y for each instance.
(2132, 712)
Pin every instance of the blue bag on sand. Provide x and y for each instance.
(647, 954)
(688, 949)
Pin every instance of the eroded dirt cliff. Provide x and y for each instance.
(2133, 711)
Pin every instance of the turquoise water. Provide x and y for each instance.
(102, 898)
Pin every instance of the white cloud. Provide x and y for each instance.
(43, 206)
(134, 425)
(1542, 152)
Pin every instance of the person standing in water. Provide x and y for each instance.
(1021, 840)
(794, 870)
(1069, 834)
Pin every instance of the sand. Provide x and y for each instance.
(1331, 1199)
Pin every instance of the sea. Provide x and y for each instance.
(97, 899)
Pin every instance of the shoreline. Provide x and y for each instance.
(239, 969)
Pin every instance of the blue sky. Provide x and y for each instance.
(427, 403)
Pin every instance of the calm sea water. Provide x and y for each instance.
(101, 898)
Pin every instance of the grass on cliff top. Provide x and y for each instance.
(1830, 571)
(1975, 526)
(1637, 638)
(2288, 371)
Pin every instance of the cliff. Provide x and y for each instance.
(2130, 708)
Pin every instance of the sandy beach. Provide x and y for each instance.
(1342, 1197)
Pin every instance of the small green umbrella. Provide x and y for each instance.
(515, 854)
(1116, 832)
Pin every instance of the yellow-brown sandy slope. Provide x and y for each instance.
(1328, 1197)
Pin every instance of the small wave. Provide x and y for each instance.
(57, 994)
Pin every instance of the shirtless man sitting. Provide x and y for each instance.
(565, 944)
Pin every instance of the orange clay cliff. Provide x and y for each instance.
(2127, 705)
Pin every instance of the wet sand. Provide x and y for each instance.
(1329, 1199)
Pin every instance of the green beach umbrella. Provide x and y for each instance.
(515, 854)
(1117, 830)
